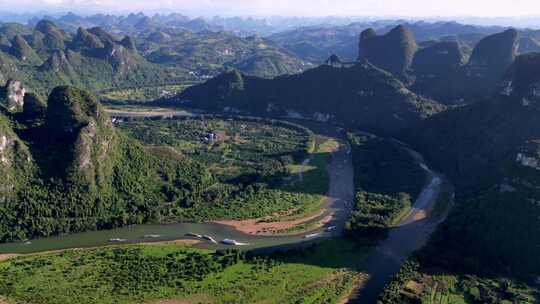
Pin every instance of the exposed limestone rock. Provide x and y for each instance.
(15, 93)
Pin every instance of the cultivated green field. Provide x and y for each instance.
(145, 274)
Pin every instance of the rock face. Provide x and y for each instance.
(15, 93)
(75, 119)
(392, 52)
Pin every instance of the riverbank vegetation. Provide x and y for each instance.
(144, 274)
(387, 178)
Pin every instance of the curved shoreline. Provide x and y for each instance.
(409, 234)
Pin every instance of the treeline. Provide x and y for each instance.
(374, 213)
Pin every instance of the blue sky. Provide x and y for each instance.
(413, 8)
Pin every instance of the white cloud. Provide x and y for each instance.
(484, 8)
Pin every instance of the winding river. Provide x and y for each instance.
(338, 204)
(382, 263)
(410, 234)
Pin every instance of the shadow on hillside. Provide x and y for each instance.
(52, 154)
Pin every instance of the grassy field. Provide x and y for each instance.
(146, 274)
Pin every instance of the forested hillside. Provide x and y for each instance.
(361, 96)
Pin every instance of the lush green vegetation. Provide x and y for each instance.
(415, 284)
(387, 179)
(141, 274)
(251, 159)
(80, 184)
(246, 150)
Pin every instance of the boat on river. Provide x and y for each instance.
(233, 242)
(117, 240)
(193, 235)
(330, 228)
(309, 236)
(152, 236)
(210, 239)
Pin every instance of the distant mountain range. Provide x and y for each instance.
(47, 55)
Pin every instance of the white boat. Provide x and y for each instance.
(233, 242)
(209, 238)
(330, 228)
(117, 240)
(195, 235)
(309, 236)
(152, 236)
